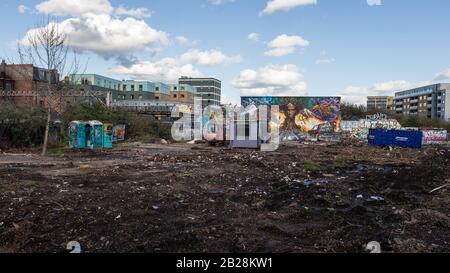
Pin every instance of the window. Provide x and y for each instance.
(132, 97)
(157, 98)
(174, 96)
(124, 87)
(132, 87)
(182, 96)
(157, 89)
(141, 87)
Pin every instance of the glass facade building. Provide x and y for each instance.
(208, 89)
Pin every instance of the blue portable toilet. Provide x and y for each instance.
(107, 136)
(77, 135)
(94, 134)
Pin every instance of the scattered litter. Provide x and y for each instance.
(374, 247)
(74, 246)
(440, 188)
(216, 191)
(360, 196)
(155, 207)
(376, 198)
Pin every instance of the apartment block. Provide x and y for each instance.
(382, 103)
(431, 101)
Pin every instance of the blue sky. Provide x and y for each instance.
(256, 47)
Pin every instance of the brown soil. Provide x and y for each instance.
(195, 198)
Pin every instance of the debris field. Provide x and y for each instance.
(310, 197)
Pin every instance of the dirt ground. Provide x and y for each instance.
(196, 198)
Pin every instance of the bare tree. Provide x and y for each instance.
(46, 47)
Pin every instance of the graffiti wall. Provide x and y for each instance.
(360, 129)
(300, 115)
(119, 133)
(434, 137)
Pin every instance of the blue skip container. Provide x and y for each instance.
(395, 138)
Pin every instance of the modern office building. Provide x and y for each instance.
(95, 80)
(121, 90)
(136, 90)
(182, 93)
(162, 91)
(209, 89)
(132, 90)
(431, 101)
(382, 103)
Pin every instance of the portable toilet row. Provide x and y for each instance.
(92, 135)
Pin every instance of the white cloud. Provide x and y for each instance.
(182, 40)
(211, 57)
(22, 9)
(170, 69)
(74, 7)
(443, 76)
(136, 13)
(79, 8)
(285, 5)
(374, 2)
(110, 37)
(358, 95)
(271, 80)
(284, 45)
(220, 2)
(253, 37)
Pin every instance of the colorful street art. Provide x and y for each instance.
(435, 137)
(300, 115)
(119, 133)
(360, 129)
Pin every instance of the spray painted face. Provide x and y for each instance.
(291, 110)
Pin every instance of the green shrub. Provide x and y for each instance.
(21, 126)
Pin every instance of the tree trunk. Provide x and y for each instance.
(47, 129)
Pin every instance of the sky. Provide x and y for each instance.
(347, 48)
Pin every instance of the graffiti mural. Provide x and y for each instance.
(119, 133)
(300, 115)
(360, 129)
(434, 137)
